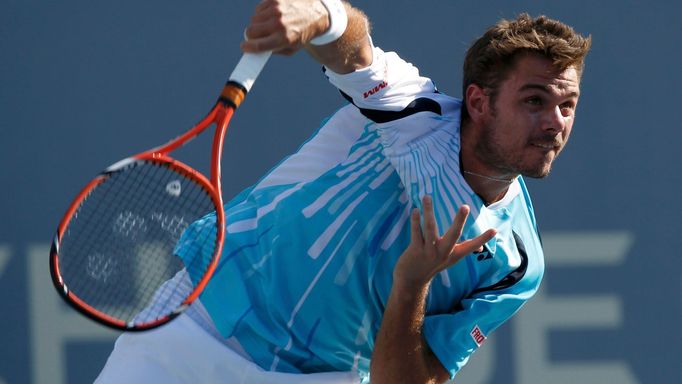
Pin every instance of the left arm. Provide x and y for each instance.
(401, 353)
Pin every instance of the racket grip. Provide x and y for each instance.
(248, 69)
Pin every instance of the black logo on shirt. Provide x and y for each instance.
(485, 254)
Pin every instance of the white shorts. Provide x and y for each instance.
(181, 352)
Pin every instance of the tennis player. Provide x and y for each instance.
(327, 275)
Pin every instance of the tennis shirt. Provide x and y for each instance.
(308, 260)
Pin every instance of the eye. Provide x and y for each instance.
(534, 100)
(567, 108)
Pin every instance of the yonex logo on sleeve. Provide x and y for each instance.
(477, 335)
(376, 89)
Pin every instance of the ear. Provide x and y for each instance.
(477, 103)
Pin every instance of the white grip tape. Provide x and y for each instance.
(248, 68)
(338, 21)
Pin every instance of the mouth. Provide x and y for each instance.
(547, 146)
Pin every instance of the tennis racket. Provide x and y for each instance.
(142, 239)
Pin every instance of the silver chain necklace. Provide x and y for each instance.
(498, 179)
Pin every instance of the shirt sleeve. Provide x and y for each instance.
(389, 83)
(467, 329)
(453, 336)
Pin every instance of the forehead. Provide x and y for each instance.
(537, 72)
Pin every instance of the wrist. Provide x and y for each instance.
(338, 21)
(409, 291)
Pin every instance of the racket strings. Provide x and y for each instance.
(136, 224)
(126, 225)
(118, 253)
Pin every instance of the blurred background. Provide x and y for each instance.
(85, 83)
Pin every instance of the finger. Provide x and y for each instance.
(416, 227)
(455, 231)
(264, 5)
(466, 247)
(259, 29)
(265, 14)
(261, 17)
(268, 43)
(430, 226)
(289, 51)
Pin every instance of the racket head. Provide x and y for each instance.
(139, 243)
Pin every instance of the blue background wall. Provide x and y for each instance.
(84, 83)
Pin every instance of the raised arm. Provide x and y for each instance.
(286, 26)
(401, 354)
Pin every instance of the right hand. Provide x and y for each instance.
(283, 26)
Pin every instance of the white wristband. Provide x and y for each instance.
(338, 20)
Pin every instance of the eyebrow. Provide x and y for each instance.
(544, 88)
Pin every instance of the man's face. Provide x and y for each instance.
(531, 118)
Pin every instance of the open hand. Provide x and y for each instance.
(428, 253)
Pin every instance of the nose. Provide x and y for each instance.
(555, 121)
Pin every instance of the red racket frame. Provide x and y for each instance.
(232, 95)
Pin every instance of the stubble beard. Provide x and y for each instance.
(492, 152)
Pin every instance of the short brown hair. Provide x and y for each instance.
(491, 57)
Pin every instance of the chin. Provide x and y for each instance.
(537, 173)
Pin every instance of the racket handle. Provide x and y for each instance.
(248, 69)
(243, 76)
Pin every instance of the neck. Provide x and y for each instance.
(488, 183)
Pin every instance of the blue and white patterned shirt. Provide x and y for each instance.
(307, 264)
